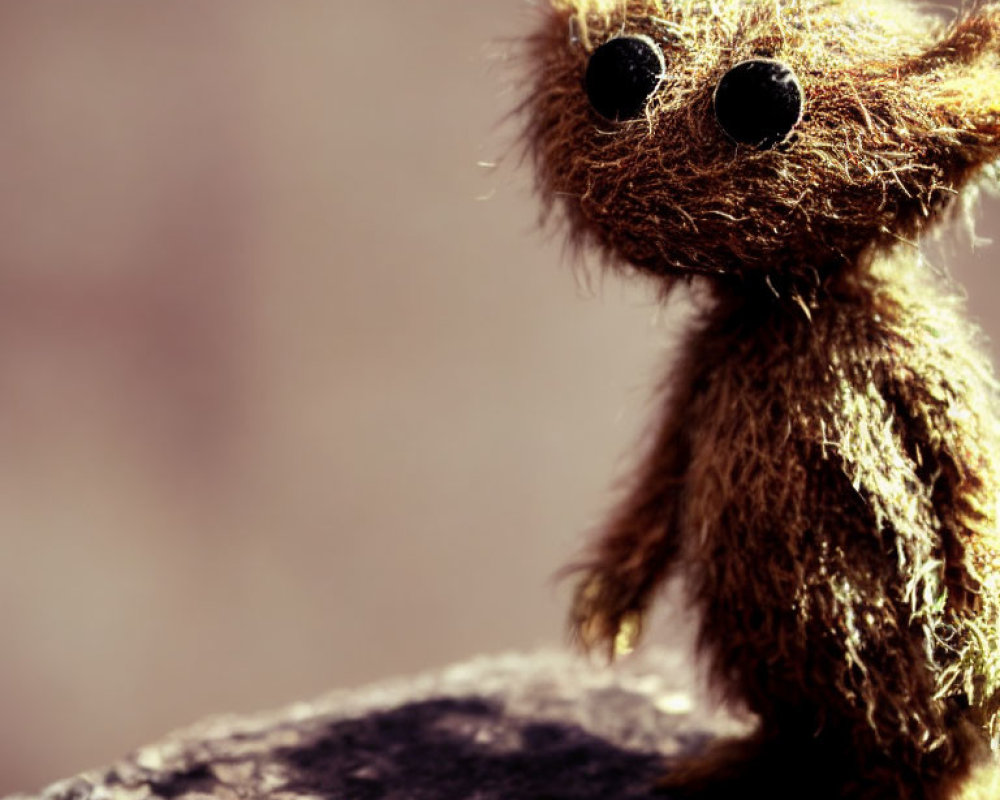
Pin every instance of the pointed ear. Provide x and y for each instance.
(958, 78)
(968, 38)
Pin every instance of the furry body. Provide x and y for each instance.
(832, 510)
(824, 473)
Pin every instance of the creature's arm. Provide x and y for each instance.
(946, 427)
(624, 567)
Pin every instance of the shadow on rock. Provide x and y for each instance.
(465, 749)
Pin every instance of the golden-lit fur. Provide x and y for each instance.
(825, 470)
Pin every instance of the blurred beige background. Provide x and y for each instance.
(292, 393)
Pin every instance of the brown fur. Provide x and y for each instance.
(824, 473)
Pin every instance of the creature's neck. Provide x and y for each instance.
(879, 283)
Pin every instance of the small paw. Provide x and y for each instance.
(602, 616)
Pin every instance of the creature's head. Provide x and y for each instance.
(777, 139)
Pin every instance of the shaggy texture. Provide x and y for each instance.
(898, 115)
(824, 474)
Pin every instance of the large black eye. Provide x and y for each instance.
(622, 74)
(758, 103)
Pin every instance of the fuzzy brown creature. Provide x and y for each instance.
(825, 471)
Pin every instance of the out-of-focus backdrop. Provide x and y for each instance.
(293, 395)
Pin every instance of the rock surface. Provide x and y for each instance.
(546, 726)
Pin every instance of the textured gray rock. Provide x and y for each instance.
(546, 726)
